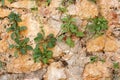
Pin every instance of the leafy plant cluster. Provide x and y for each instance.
(98, 26)
(20, 44)
(42, 50)
(95, 59)
(69, 29)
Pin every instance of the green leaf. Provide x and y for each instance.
(65, 19)
(13, 36)
(14, 17)
(93, 59)
(3, 2)
(50, 35)
(65, 28)
(50, 45)
(34, 9)
(62, 9)
(48, 2)
(11, 46)
(73, 28)
(45, 60)
(23, 51)
(16, 54)
(25, 41)
(79, 34)
(51, 41)
(36, 57)
(102, 60)
(11, 1)
(49, 54)
(44, 47)
(37, 50)
(23, 28)
(68, 19)
(93, 1)
(1, 64)
(39, 37)
(60, 38)
(29, 47)
(12, 28)
(9, 29)
(17, 40)
(37, 54)
(67, 2)
(116, 65)
(70, 42)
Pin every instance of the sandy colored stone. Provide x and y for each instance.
(57, 51)
(105, 8)
(55, 72)
(4, 12)
(22, 64)
(102, 43)
(87, 9)
(110, 45)
(96, 44)
(20, 4)
(96, 71)
(3, 46)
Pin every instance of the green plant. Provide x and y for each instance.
(102, 60)
(3, 1)
(1, 64)
(67, 2)
(97, 26)
(48, 2)
(62, 9)
(116, 65)
(11, 1)
(34, 8)
(93, 1)
(43, 44)
(69, 29)
(20, 44)
(93, 59)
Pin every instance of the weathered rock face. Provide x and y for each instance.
(67, 63)
(96, 71)
(55, 71)
(102, 43)
(87, 9)
(22, 64)
(96, 44)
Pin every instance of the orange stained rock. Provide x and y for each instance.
(110, 45)
(4, 12)
(97, 71)
(23, 64)
(96, 44)
(102, 43)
